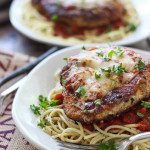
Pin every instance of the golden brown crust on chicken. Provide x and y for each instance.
(99, 15)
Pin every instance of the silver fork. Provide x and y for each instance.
(122, 145)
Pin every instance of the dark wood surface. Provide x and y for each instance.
(12, 40)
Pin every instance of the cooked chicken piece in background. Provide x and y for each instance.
(101, 83)
(88, 13)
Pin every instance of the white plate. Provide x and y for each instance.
(142, 32)
(41, 81)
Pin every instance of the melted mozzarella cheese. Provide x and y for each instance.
(90, 63)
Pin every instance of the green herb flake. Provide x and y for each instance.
(108, 29)
(44, 29)
(107, 58)
(103, 147)
(132, 26)
(120, 51)
(77, 63)
(64, 81)
(113, 69)
(35, 109)
(141, 65)
(66, 59)
(75, 104)
(111, 53)
(42, 98)
(106, 70)
(114, 81)
(85, 111)
(148, 119)
(44, 104)
(97, 75)
(145, 104)
(54, 17)
(53, 103)
(98, 101)
(100, 53)
(80, 90)
(110, 146)
(119, 70)
(136, 65)
(41, 123)
(140, 114)
(83, 48)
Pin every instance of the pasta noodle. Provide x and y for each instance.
(60, 127)
(44, 28)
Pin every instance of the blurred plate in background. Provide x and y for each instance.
(141, 33)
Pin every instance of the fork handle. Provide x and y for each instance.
(27, 67)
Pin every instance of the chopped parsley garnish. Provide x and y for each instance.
(97, 75)
(42, 98)
(77, 63)
(75, 104)
(114, 81)
(113, 69)
(140, 114)
(145, 104)
(98, 101)
(41, 123)
(106, 70)
(80, 90)
(103, 147)
(66, 59)
(141, 65)
(119, 70)
(110, 146)
(100, 53)
(35, 109)
(85, 111)
(148, 119)
(64, 81)
(54, 17)
(111, 53)
(108, 29)
(44, 104)
(107, 58)
(49, 104)
(44, 30)
(120, 51)
(136, 65)
(84, 48)
(54, 103)
(132, 26)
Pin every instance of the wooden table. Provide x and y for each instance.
(12, 40)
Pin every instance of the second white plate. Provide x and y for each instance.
(142, 32)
